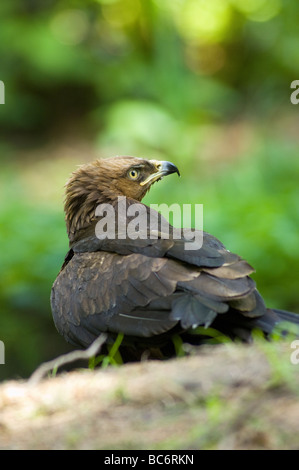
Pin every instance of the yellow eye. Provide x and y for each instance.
(133, 174)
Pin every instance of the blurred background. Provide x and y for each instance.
(202, 83)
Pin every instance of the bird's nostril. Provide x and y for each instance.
(158, 166)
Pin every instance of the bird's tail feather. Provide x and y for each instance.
(287, 323)
(287, 316)
(278, 322)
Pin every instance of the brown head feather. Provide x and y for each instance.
(104, 181)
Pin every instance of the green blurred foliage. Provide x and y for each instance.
(204, 83)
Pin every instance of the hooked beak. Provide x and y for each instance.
(163, 169)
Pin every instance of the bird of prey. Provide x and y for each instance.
(148, 288)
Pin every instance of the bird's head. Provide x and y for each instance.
(105, 180)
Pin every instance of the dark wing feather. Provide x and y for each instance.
(145, 287)
(211, 254)
(100, 290)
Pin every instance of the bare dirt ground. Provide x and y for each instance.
(220, 397)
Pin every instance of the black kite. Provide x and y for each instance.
(148, 289)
